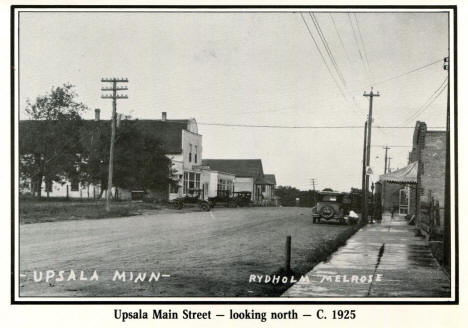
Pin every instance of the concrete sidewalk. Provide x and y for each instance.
(381, 260)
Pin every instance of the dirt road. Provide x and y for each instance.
(192, 254)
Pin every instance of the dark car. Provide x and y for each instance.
(224, 197)
(331, 205)
(193, 196)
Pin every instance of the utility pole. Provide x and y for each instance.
(386, 150)
(388, 167)
(313, 186)
(114, 96)
(371, 96)
(447, 209)
(384, 184)
(364, 176)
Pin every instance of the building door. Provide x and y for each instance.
(404, 201)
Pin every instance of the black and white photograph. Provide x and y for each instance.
(257, 154)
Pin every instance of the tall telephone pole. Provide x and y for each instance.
(313, 186)
(364, 176)
(447, 209)
(114, 96)
(371, 96)
(384, 184)
(386, 150)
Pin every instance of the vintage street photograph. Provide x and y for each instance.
(253, 154)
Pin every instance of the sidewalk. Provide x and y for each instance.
(388, 253)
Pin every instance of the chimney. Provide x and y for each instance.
(164, 116)
(97, 114)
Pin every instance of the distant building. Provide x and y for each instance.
(249, 176)
(179, 138)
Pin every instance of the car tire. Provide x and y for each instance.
(205, 206)
(324, 214)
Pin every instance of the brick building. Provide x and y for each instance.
(423, 178)
(428, 151)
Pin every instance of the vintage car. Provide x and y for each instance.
(231, 199)
(331, 205)
(193, 196)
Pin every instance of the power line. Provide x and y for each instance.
(340, 38)
(409, 72)
(323, 59)
(356, 40)
(392, 146)
(434, 99)
(307, 126)
(428, 101)
(327, 47)
(363, 45)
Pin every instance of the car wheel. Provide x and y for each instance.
(327, 212)
(205, 206)
(179, 205)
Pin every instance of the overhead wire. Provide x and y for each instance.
(342, 92)
(304, 126)
(323, 58)
(340, 38)
(363, 47)
(327, 47)
(356, 41)
(429, 101)
(408, 72)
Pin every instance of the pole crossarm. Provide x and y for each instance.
(116, 89)
(114, 79)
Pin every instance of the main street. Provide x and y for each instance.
(192, 254)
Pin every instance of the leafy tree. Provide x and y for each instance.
(49, 143)
(288, 195)
(139, 159)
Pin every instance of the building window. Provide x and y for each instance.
(225, 185)
(196, 153)
(191, 182)
(190, 153)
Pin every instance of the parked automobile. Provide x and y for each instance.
(243, 198)
(224, 197)
(192, 197)
(331, 205)
(231, 199)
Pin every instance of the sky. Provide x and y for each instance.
(254, 68)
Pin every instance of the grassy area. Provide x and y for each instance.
(50, 210)
(209, 254)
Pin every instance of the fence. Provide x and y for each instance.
(430, 218)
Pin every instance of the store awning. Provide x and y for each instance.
(406, 175)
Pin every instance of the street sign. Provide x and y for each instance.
(369, 171)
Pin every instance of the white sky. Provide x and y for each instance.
(251, 68)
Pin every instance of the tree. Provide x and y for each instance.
(287, 195)
(49, 144)
(139, 159)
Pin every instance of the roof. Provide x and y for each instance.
(270, 178)
(247, 168)
(407, 175)
(168, 132)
